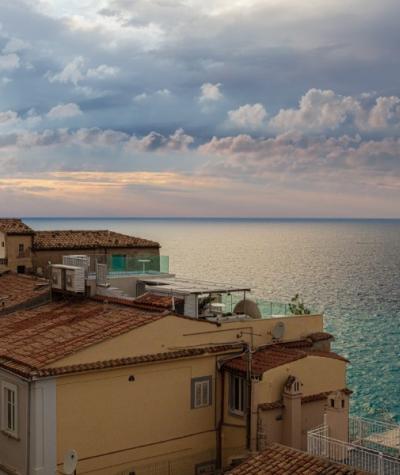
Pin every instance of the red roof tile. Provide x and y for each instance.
(78, 239)
(281, 460)
(17, 290)
(320, 336)
(150, 300)
(135, 360)
(273, 356)
(14, 226)
(35, 338)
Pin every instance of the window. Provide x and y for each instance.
(201, 392)
(237, 394)
(9, 408)
(20, 249)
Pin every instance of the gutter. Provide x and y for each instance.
(28, 435)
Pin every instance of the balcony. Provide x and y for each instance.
(119, 265)
(267, 308)
(372, 446)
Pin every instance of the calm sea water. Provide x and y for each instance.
(349, 268)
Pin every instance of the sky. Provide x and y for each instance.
(250, 108)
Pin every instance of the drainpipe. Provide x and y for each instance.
(249, 399)
(28, 431)
(221, 421)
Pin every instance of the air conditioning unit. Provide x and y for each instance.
(68, 278)
(75, 279)
(77, 261)
(56, 278)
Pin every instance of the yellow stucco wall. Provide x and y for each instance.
(318, 374)
(115, 423)
(12, 252)
(172, 332)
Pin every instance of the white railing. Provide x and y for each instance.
(377, 435)
(362, 458)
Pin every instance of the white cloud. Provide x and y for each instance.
(144, 96)
(72, 72)
(101, 72)
(248, 117)
(324, 110)
(386, 112)
(64, 111)
(141, 97)
(14, 45)
(318, 110)
(210, 93)
(9, 62)
(8, 116)
(75, 71)
(178, 141)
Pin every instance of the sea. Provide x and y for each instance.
(350, 269)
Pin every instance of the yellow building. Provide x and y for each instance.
(135, 388)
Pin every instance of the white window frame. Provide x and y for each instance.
(12, 388)
(242, 396)
(201, 392)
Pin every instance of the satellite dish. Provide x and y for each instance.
(278, 331)
(70, 462)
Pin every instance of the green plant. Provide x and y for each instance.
(297, 306)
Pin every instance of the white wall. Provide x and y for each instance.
(43, 457)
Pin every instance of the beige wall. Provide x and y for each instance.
(41, 258)
(173, 332)
(137, 421)
(12, 252)
(13, 451)
(318, 374)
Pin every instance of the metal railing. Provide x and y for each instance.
(377, 435)
(119, 265)
(268, 308)
(347, 453)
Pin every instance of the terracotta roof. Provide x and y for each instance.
(281, 460)
(267, 406)
(129, 302)
(33, 339)
(135, 360)
(272, 356)
(17, 290)
(78, 239)
(14, 226)
(320, 336)
(149, 300)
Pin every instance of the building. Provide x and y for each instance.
(172, 381)
(16, 241)
(24, 250)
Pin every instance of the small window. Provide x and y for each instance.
(332, 403)
(201, 392)
(237, 394)
(21, 249)
(2, 244)
(342, 403)
(10, 408)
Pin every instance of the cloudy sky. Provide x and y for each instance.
(194, 108)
